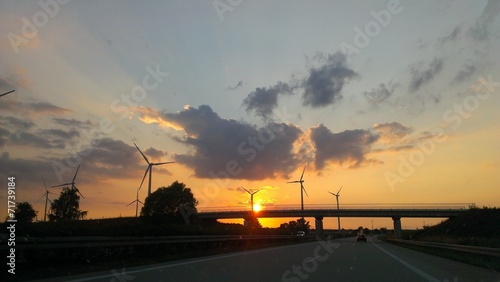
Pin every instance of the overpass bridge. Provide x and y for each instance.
(394, 211)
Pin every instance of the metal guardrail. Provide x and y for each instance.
(461, 248)
(85, 242)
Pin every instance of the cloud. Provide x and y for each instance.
(422, 77)
(46, 108)
(238, 85)
(323, 85)
(391, 132)
(486, 23)
(380, 94)
(154, 153)
(350, 146)
(72, 122)
(32, 108)
(450, 37)
(13, 122)
(264, 100)
(230, 148)
(464, 74)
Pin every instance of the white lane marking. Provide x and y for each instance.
(426, 276)
(183, 263)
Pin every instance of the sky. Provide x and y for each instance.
(395, 101)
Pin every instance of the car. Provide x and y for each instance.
(361, 237)
(301, 233)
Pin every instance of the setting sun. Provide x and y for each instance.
(256, 207)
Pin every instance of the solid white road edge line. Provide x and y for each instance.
(409, 266)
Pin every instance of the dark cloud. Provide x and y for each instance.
(347, 147)
(45, 108)
(264, 100)
(72, 122)
(6, 85)
(393, 131)
(450, 37)
(464, 74)
(224, 146)
(238, 85)
(380, 94)
(485, 24)
(323, 85)
(32, 108)
(154, 153)
(422, 77)
(60, 133)
(29, 139)
(13, 122)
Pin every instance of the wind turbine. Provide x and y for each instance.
(150, 169)
(72, 183)
(136, 201)
(302, 189)
(337, 197)
(7, 93)
(251, 195)
(46, 195)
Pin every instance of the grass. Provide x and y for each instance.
(484, 261)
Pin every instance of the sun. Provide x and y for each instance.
(256, 207)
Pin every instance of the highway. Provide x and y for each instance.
(334, 260)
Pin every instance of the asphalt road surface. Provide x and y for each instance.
(335, 260)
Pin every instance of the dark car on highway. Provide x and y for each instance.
(361, 237)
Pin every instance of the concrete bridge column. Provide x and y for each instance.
(319, 227)
(397, 226)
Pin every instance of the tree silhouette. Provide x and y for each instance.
(67, 207)
(24, 212)
(171, 201)
(293, 226)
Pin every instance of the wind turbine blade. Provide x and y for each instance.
(296, 181)
(163, 163)
(246, 190)
(78, 191)
(305, 191)
(40, 198)
(144, 177)
(45, 185)
(144, 156)
(65, 184)
(131, 203)
(74, 177)
(140, 202)
(339, 190)
(331, 193)
(7, 93)
(302, 176)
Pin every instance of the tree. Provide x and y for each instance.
(67, 207)
(293, 226)
(172, 201)
(24, 212)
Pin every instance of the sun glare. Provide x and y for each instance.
(256, 207)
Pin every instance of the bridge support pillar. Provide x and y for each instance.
(319, 227)
(397, 227)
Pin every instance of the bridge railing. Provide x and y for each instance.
(381, 206)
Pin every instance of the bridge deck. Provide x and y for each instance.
(440, 213)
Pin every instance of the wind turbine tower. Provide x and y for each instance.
(136, 201)
(46, 195)
(302, 189)
(251, 195)
(337, 197)
(150, 169)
